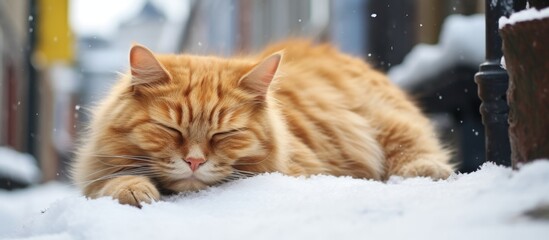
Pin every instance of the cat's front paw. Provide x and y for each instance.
(132, 190)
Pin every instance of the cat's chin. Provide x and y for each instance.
(186, 185)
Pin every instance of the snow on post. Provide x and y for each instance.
(525, 36)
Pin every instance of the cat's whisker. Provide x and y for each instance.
(241, 174)
(104, 177)
(142, 165)
(108, 168)
(147, 162)
(164, 168)
(246, 172)
(130, 157)
(233, 178)
(122, 165)
(124, 156)
(111, 176)
(127, 157)
(141, 171)
(236, 175)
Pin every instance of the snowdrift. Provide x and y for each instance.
(487, 204)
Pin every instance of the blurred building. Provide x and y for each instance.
(13, 78)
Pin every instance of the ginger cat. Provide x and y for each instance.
(181, 123)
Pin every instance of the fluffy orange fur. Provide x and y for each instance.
(180, 123)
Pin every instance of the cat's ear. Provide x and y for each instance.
(145, 68)
(260, 77)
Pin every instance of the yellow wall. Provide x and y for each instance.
(55, 40)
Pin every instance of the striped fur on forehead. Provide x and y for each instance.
(216, 113)
(209, 99)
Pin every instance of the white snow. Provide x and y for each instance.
(18, 166)
(461, 43)
(21, 206)
(523, 16)
(487, 204)
(502, 63)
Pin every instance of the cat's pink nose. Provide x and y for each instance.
(195, 162)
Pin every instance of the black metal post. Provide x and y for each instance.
(32, 76)
(492, 81)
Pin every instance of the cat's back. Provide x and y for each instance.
(321, 74)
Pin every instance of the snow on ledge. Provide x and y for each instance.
(461, 43)
(523, 16)
(18, 166)
(502, 63)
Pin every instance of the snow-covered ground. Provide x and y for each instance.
(487, 204)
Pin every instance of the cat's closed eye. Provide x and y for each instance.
(225, 134)
(232, 139)
(168, 128)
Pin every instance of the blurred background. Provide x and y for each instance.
(58, 57)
